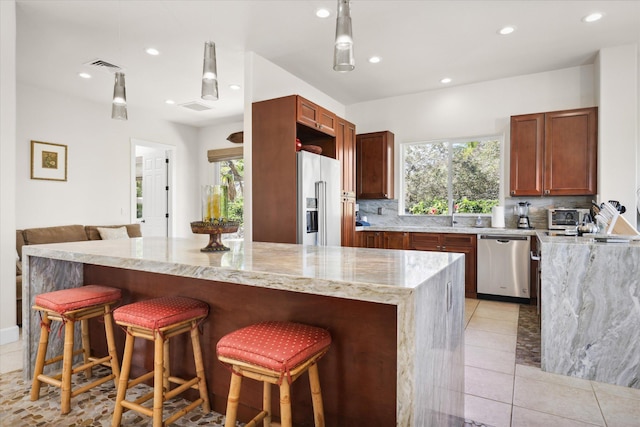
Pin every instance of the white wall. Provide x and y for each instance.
(472, 110)
(97, 190)
(9, 332)
(618, 126)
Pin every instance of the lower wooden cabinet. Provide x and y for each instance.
(395, 240)
(441, 242)
(370, 239)
(452, 242)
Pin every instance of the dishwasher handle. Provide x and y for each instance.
(502, 238)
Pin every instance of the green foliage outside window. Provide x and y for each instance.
(232, 174)
(463, 174)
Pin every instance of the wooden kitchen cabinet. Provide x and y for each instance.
(348, 233)
(370, 239)
(451, 242)
(395, 240)
(554, 153)
(315, 116)
(345, 151)
(276, 125)
(374, 165)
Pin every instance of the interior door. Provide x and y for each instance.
(153, 215)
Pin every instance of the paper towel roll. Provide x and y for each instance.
(497, 217)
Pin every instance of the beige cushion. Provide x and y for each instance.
(110, 233)
(133, 230)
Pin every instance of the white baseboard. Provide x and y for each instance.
(9, 335)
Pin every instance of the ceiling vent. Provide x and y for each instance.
(195, 106)
(104, 66)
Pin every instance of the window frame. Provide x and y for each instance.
(450, 141)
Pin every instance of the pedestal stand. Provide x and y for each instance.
(214, 229)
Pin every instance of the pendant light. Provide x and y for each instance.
(209, 73)
(343, 50)
(119, 104)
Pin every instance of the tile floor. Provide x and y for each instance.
(500, 392)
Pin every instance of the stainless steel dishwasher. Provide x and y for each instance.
(503, 266)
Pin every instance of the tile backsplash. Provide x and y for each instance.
(388, 216)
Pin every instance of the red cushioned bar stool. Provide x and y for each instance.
(69, 306)
(274, 353)
(159, 320)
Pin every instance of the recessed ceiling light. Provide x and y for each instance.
(84, 75)
(445, 80)
(596, 16)
(323, 13)
(375, 59)
(234, 87)
(152, 51)
(169, 101)
(506, 30)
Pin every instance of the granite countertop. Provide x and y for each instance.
(457, 229)
(356, 273)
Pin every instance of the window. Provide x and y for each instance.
(232, 174)
(460, 174)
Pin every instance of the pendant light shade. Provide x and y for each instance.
(119, 104)
(343, 51)
(209, 73)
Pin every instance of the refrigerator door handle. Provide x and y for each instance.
(321, 190)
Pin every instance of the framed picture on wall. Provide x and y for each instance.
(48, 161)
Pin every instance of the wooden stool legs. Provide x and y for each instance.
(161, 376)
(63, 379)
(285, 397)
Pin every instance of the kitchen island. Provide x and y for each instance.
(396, 317)
(590, 319)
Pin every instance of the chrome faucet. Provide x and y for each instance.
(453, 217)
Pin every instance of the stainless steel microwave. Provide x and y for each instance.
(566, 218)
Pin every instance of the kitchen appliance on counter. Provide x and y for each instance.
(566, 218)
(319, 212)
(522, 210)
(503, 267)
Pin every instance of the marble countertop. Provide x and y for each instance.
(457, 229)
(589, 239)
(371, 274)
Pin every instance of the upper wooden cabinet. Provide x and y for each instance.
(374, 165)
(276, 124)
(315, 116)
(346, 153)
(554, 153)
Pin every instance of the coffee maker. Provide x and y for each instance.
(522, 210)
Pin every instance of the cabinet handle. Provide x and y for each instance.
(438, 247)
(513, 192)
(546, 192)
(444, 248)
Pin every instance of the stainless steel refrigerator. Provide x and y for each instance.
(319, 212)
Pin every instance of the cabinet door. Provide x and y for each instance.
(371, 239)
(465, 244)
(570, 152)
(346, 151)
(374, 165)
(527, 145)
(348, 235)
(315, 116)
(396, 240)
(425, 241)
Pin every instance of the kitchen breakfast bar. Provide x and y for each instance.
(395, 317)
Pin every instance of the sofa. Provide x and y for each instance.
(61, 234)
